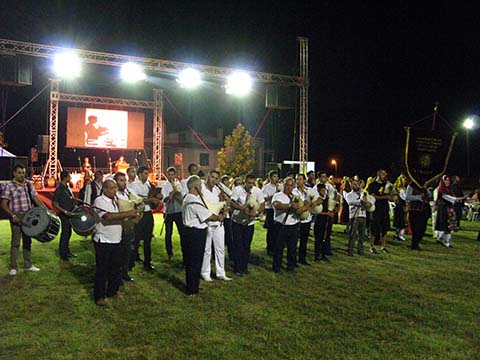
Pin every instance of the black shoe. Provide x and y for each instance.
(324, 258)
(138, 258)
(329, 253)
(64, 258)
(384, 250)
(149, 267)
(373, 250)
(238, 273)
(418, 248)
(290, 270)
(350, 253)
(70, 254)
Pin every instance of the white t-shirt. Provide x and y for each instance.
(269, 190)
(305, 195)
(141, 190)
(240, 196)
(212, 197)
(171, 207)
(279, 215)
(107, 233)
(194, 213)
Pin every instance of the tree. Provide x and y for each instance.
(238, 155)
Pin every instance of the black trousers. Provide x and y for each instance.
(302, 248)
(418, 224)
(127, 251)
(286, 235)
(63, 249)
(107, 269)
(270, 225)
(322, 230)
(169, 220)
(194, 242)
(227, 223)
(242, 240)
(143, 231)
(458, 208)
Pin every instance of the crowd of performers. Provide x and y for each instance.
(214, 213)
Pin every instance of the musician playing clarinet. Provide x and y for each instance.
(18, 197)
(64, 202)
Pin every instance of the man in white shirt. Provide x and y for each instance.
(144, 229)
(195, 219)
(94, 188)
(358, 217)
(305, 194)
(173, 199)
(326, 226)
(243, 221)
(215, 232)
(107, 240)
(288, 224)
(268, 191)
(192, 170)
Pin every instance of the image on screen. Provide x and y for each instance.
(101, 128)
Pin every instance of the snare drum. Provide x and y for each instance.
(40, 224)
(83, 220)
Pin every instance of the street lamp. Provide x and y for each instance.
(334, 163)
(468, 124)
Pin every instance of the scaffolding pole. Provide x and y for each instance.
(303, 108)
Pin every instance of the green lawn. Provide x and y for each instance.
(402, 305)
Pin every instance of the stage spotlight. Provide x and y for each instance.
(239, 83)
(189, 78)
(132, 72)
(67, 65)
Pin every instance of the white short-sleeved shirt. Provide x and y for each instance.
(269, 190)
(141, 190)
(305, 195)
(111, 233)
(279, 215)
(194, 213)
(212, 197)
(240, 196)
(171, 207)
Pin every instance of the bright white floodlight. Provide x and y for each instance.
(239, 83)
(189, 78)
(67, 65)
(132, 72)
(468, 123)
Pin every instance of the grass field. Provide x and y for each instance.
(401, 305)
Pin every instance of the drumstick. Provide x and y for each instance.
(90, 205)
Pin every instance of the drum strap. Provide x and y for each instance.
(29, 193)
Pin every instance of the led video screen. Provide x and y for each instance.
(107, 129)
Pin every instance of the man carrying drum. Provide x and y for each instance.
(18, 197)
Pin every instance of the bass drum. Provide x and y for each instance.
(83, 220)
(40, 224)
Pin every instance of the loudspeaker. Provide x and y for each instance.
(7, 164)
(280, 97)
(15, 70)
(42, 144)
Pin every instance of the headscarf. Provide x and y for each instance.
(442, 186)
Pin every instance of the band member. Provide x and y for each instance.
(64, 202)
(192, 170)
(399, 212)
(417, 203)
(86, 167)
(227, 223)
(215, 232)
(305, 194)
(446, 221)
(358, 217)
(243, 220)
(94, 188)
(195, 218)
(143, 230)
(268, 191)
(321, 228)
(310, 179)
(380, 221)
(457, 192)
(132, 174)
(18, 197)
(288, 224)
(327, 221)
(107, 240)
(127, 252)
(172, 198)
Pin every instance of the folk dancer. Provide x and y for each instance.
(305, 193)
(144, 229)
(417, 202)
(172, 198)
(107, 239)
(215, 232)
(243, 221)
(195, 218)
(358, 217)
(268, 191)
(380, 220)
(18, 197)
(64, 202)
(94, 188)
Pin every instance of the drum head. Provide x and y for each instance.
(35, 221)
(83, 220)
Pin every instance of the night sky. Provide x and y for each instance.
(373, 68)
